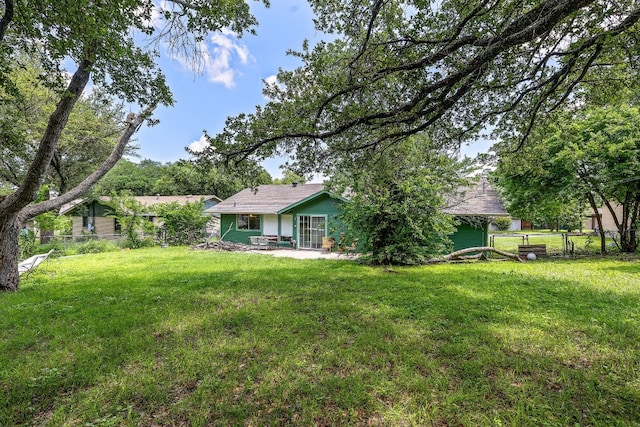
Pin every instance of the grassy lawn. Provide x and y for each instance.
(585, 244)
(176, 337)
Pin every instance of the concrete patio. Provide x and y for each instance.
(306, 254)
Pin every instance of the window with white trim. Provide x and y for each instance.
(248, 222)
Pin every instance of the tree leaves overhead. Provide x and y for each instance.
(108, 34)
(397, 68)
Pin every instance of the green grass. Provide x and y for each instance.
(179, 337)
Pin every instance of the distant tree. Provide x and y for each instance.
(137, 178)
(289, 177)
(396, 206)
(201, 176)
(592, 156)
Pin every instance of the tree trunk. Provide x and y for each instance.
(9, 229)
(603, 237)
(10, 222)
(46, 236)
(461, 254)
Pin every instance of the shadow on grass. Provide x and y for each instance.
(218, 338)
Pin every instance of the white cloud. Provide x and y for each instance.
(271, 80)
(219, 58)
(199, 145)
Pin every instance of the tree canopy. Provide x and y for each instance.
(396, 207)
(178, 178)
(395, 68)
(89, 136)
(591, 157)
(115, 45)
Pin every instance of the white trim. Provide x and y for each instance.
(326, 231)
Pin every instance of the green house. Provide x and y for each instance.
(474, 208)
(301, 215)
(296, 215)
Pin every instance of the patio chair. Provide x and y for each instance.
(259, 242)
(347, 250)
(350, 250)
(29, 265)
(327, 244)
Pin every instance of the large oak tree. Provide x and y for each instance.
(394, 68)
(114, 45)
(91, 131)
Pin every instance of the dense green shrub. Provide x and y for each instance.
(182, 225)
(502, 223)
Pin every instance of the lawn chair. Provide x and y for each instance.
(343, 248)
(28, 265)
(350, 250)
(327, 244)
(259, 242)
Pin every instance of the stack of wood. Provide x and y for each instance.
(221, 245)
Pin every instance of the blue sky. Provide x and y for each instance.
(230, 82)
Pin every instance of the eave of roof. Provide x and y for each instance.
(306, 199)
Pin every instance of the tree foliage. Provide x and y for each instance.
(289, 177)
(88, 138)
(182, 224)
(131, 215)
(182, 177)
(395, 68)
(536, 189)
(396, 207)
(201, 176)
(590, 156)
(137, 178)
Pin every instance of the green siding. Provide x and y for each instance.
(321, 205)
(93, 209)
(467, 236)
(238, 236)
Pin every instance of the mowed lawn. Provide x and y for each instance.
(173, 337)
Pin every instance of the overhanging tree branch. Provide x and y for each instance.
(132, 125)
(46, 149)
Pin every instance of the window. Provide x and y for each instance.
(248, 222)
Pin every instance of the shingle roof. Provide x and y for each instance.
(480, 199)
(182, 200)
(147, 201)
(266, 199)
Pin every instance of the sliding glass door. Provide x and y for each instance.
(311, 230)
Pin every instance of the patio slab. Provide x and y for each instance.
(301, 254)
